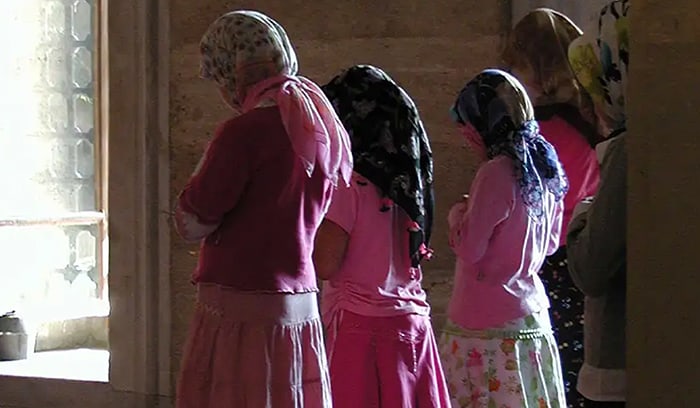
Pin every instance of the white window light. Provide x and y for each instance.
(52, 220)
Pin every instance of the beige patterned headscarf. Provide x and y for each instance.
(249, 54)
(242, 48)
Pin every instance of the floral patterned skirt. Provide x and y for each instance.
(514, 366)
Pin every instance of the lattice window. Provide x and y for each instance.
(51, 211)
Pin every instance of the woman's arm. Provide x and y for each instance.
(455, 218)
(555, 234)
(216, 185)
(596, 240)
(189, 227)
(333, 235)
(491, 200)
(329, 251)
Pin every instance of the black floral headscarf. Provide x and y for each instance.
(389, 145)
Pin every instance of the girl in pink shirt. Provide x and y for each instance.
(382, 350)
(536, 52)
(256, 201)
(497, 347)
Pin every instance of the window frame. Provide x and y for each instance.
(133, 89)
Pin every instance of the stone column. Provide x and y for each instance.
(664, 221)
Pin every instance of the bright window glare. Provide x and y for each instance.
(47, 161)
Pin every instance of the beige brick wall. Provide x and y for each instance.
(430, 47)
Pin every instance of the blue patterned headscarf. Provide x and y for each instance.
(498, 107)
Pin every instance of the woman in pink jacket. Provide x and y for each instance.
(536, 53)
(497, 347)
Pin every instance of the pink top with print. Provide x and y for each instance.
(376, 277)
(500, 250)
(255, 208)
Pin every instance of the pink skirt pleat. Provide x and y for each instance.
(252, 350)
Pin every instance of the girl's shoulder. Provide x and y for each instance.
(496, 173)
(358, 179)
(500, 164)
(364, 189)
(567, 121)
(260, 130)
(558, 129)
(256, 119)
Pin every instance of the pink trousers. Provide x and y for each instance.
(388, 362)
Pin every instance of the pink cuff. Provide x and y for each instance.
(387, 203)
(189, 226)
(426, 253)
(456, 215)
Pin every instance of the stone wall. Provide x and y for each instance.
(663, 323)
(430, 47)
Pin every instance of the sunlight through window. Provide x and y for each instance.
(51, 214)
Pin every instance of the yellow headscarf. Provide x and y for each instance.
(600, 60)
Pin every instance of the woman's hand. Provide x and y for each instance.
(581, 207)
(190, 228)
(455, 217)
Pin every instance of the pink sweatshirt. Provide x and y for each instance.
(255, 209)
(577, 158)
(500, 250)
(376, 277)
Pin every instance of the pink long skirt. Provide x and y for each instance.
(253, 350)
(388, 362)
